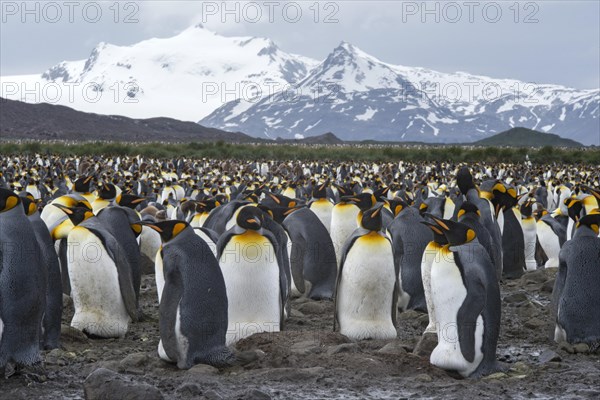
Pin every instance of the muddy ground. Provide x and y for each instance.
(309, 361)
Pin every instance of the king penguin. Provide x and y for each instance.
(100, 275)
(193, 306)
(551, 234)
(431, 254)
(255, 282)
(576, 295)
(529, 233)
(466, 298)
(53, 311)
(23, 283)
(409, 238)
(367, 288)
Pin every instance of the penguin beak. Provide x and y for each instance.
(65, 209)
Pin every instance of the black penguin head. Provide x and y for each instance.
(574, 207)
(76, 214)
(464, 180)
(438, 234)
(456, 233)
(8, 200)
(372, 219)
(250, 217)
(364, 201)
(107, 191)
(397, 205)
(167, 229)
(29, 205)
(592, 221)
(527, 208)
(129, 200)
(82, 185)
(468, 208)
(320, 191)
(278, 200)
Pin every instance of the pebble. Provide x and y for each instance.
(343, 348)
(548, 356)
(313, 307)
(395, 348)
(104, 384)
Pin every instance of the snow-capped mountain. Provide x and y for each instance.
(357, 97)
(185, 77)
(248, 84)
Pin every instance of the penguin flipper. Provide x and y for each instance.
(117, 253)
(297, 260)
(283, 283)
(466, 319)
(559, 285)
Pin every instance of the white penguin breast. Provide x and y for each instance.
(251, 273)
(159, 275)
(549, 242)
(364, 298)
(343, 223)
(448, 294)
(322, 209)
(97, 299)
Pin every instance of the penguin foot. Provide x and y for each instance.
(488, 369)
(8, 370)
(35, 373)
(246, 357)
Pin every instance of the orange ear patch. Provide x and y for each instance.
(11, 202)
(178, 228)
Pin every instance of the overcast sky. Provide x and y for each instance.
(536, 41)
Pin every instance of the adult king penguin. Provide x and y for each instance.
(193, 306)
(576, 295)
(466, 298)
(22, 285)
(256, 283)
(53, 311)
(367, 289)
(100, 275)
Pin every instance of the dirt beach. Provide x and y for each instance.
(309, 361)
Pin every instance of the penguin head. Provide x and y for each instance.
(364, 201)
(397, 205)
(574, 207)
(527, 208)
(464, 180)
(372, 219)
(29, 206)
(468, 208)
(76, 214)
(320, 191)
(82, 185)
(168, 230)
(8, 200)
(456, 233)
(250, 218)
(107, 191)
(438, 234)
(592, 221)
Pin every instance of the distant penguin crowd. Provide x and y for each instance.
(231, 242)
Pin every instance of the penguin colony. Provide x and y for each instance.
(231, 242)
